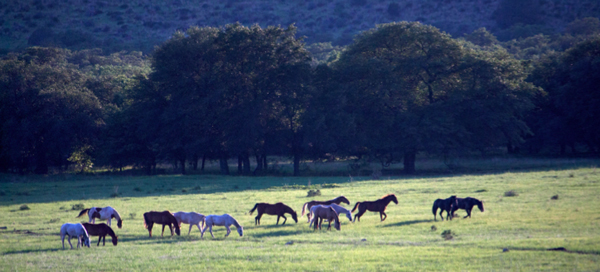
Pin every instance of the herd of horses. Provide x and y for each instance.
(317, 212)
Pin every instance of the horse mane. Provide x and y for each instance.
(235, 223)
(388, 195)
(117, 215)
(84, 211)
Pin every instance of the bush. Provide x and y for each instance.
(77, 207)
(447, 235)
(511, 193)
(24, 207)
(312, 193)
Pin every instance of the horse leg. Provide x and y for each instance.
(382, 218)
(257, 219)
(190, 231)
(150, 228)
(228, 231)
(277, 220)
(62, 237)
(69, 240)
(469, 209)
(99, 238)
(163, 230)
(284, 219)
(320, 222)
(359, 214)
(441, 211)
(210, 229)
(171, 229)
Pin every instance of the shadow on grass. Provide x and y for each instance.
(277, 233)
(407, 223)
(67, 247)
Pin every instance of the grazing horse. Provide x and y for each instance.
(338, 209)
(467, 204)
(444, 205)
(192, 218)
(74, 230)
(273, 209)
(321, 212)
(100, 230)
(374, 206)
(222, 220)
(165, 218)
(308, 205)
(106, 213)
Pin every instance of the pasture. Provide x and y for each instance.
(516, 231)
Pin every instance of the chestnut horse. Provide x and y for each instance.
(100, 230)
(467, 204)
(321, 212)
(447, 205)
(306, 207)
(374, 206)
(165, 218)
(273, 209)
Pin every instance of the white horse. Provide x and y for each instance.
(222, 220)
(338, 209)
(74, 230)
(106, 213)
(192, 218)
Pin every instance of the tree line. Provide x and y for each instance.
(398, 90)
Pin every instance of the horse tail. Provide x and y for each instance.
(83, 212)
(435, 206)
(145, 219)
(304, 209)
(253, 209)
(355, 206)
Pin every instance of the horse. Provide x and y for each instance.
(100, 230)
(106, 213)
(192, 218)
(308, 205)
(222, 220)
(467, 204)
(278, 209)
(338, 209)
(374, 206)
(165, 218)
(444, 205)
(74, 230)
(321, 212)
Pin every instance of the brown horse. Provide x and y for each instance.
(321, 212)
(447, 205)
(308, 205)
(374, 206)
(165, 218)
(273, 209)
(467, 204)
(100, 230)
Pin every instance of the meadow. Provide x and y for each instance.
(541, 219)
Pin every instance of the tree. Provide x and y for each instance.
(412, 88)
(47, 113)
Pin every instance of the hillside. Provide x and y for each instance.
(142, 24)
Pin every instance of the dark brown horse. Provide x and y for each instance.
(374, 206)
(444, 205)
(308, 205)
(100, 230)
(328, 213)
(273, 209)
(467, 204)
(165, 218)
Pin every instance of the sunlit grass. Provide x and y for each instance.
(526, 225)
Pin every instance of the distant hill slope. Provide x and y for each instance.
(141, 24)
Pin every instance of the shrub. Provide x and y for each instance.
(312, 193)
(447, 234)
(24, 207)
(511, 193)
(555, 197)
(77, 207)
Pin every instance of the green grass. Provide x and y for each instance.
(527, 224)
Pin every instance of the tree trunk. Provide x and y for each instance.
(182, 160)
(409, 162)
(195, 162)
(240, 162)
(296, 163)
(224, 166)
(246, 163)
(259, 164)
(203, 161)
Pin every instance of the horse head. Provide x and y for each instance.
(349, 215)
(114, 240)
(86, 240)
(294, 216)
(344, 200)
(177, 229)
(393, 198)
(240, 230)
(120, 223)
(480, 205)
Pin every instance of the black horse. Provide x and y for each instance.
(447, 205)
(467, 204)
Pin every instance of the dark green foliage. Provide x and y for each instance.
(511, 12)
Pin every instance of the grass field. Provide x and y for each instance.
(527, 225)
